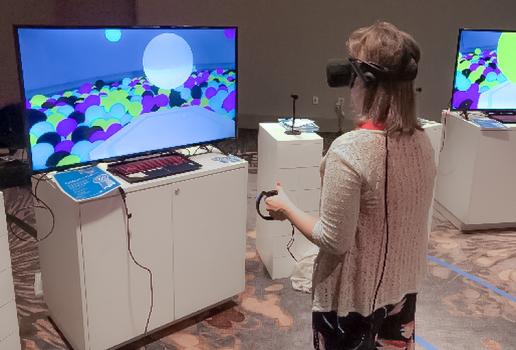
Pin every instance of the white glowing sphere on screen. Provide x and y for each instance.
(167, 61)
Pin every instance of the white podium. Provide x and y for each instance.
(9, 330)
(189, 229)
(477, 168)
(434, 131)
(293, 160)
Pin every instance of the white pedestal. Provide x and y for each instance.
(189, 229)
(475, 185)
(9, 330)
(434, 131)
(293, 160)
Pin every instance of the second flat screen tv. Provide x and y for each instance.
(104, 93)
(485, 71)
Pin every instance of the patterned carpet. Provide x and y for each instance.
(455, 311)
(245, 324)
(489, 255)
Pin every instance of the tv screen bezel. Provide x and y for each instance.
(493, 111)
(129, 155)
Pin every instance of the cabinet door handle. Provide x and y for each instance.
(176, 191)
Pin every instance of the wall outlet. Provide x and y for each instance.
(315, 100)
(38, 284)
(340, 101)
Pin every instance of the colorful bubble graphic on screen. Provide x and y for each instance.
(485, 76)
(66, 126)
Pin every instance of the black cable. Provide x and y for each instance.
(206, 151)
(35, 195)
(12, 218)
(127, 217)
(203, 147)
(10, 226)
(44, 206)
(386, 221)
(290, 243)
(443, 132)
(190, 154)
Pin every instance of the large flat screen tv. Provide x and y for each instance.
(94, 94)
(485, 71)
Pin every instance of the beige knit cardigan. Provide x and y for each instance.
(351, 231)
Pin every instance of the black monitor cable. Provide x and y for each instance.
(23, 154)
(203, 147)
(444, 119)
(206, 149)
(209, 149)
(39, 204)
(290, 243)
(128, 231)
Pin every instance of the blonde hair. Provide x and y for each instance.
(389, 102)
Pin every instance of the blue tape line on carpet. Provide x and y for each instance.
(425, 344)
(473, 278)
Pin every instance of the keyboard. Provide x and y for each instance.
(153, 168)
(508, 118)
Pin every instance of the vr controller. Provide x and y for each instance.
(265, 194)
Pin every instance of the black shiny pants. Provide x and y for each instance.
(389, 327)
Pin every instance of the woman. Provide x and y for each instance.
(377, 185)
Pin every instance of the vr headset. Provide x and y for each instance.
(343, 72)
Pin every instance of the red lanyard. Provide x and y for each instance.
(369, 125)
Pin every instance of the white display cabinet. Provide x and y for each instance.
(477, 168)
(434, 131)
(189, 229)
(9, 330)
(293, 160)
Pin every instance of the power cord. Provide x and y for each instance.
(43, 206)
(201, 147)
(127, 217)
(290, 243)
(444, 119)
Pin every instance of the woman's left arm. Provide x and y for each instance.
(334, 231)
(281, 207)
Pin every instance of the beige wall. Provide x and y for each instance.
(284, 44)
(17, 12)
(50, 12)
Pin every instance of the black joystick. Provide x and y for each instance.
(265, 194)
